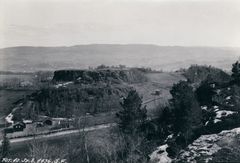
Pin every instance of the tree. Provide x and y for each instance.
(5, 148)
(205, 92)
(132, 115)
(236, 73)
(43, 150)
(187, 112)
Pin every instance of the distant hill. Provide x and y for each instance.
(168, 58)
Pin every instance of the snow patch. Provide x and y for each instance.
(206, 123)
(27, 121)
(217, 120)
(160, 155)
(228, 98)
(169, 137)
(218, 91)
(63, 84)
(206, 145)
(215, 107)
(9, 118)
(216, 110)
(204, 107)
(203, 146)
(224, 113)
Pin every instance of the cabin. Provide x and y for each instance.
(19, 126)
(39, 124)
(157, 92)
(44, 121)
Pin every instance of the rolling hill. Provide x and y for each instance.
(167, 58)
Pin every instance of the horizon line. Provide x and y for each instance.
(120, 44)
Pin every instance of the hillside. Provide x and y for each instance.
(74, 92)
(84, 56)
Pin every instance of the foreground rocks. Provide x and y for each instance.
(205, 147)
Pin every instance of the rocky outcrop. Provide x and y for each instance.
(94, 76)
(204, 148)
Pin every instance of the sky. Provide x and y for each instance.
(161, 22)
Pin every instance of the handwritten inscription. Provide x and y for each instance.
(32, 160)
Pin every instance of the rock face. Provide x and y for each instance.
(105, 75)
(204, 148)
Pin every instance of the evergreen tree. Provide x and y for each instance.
(205, 92)
(186, 109)
(236, 73)
(132, 115)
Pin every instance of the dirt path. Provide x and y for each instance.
(61, 133)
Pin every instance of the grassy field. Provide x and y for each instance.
(20, 77)
(157, 81)
(99, 139)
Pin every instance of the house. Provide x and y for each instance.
(19, 126)
(44, 120)
(156, 92)
(39, 124)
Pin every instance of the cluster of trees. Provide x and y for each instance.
(66, 102)
(197, 74)
(183, 118)
(102, 66)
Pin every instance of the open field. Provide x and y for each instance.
(159, 81)
(99, 138)
(19, 77)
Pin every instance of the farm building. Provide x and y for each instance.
(19, 126)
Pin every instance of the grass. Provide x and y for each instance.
(99, 139)
(19, 77)
(161, 81)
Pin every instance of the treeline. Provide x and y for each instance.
(99, 76)
(75, 101)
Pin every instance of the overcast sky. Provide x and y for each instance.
(162, 22)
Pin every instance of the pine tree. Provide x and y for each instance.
(236, 73)
(132, 115)
(186, 109)
(205, 92)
